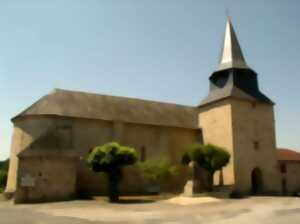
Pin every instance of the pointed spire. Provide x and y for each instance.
(231, 55)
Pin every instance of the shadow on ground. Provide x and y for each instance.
(135, 201)
(144, 199)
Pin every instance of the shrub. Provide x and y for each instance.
(3, 178)
(236, 195)
(158, 171)
(4, 165)
(110, 158)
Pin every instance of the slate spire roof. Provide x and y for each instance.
(233, 77)
(231, 55)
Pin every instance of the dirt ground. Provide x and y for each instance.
(176, 210)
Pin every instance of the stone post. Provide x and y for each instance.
(195, 183)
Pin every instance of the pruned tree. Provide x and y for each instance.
(209, 157)
(110, 158)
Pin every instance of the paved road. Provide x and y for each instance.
(266, 210)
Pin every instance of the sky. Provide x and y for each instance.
(150, 49)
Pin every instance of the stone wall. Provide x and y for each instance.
(81, 135)
(254, 145)
(216, 123)
(52, 179)
(24, 132)
(246, 129)
(290, 177)
(150, 142)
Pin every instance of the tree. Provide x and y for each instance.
(3, 179)
(209, 157)
(3, 173)
(110, 158)
(4, 164)
(157, 171)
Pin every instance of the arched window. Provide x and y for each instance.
(143, 153)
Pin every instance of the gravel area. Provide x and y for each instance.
(177, 210)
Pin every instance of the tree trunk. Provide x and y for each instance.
(210, 179)
(114, 178)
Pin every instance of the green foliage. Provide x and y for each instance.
(3, 178)
(157, 170)
(3, 173)
(110, 158)
(4, 165)
(209, 157)
(193, 152)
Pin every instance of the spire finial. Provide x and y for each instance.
(231, 53)
(227, 14)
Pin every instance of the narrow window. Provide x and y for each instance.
(199, 138)
(256, 145)
(143, 153)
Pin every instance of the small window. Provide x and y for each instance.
(199, 137)
(253, 104)
(143, 154)
(283, 168)
(256, 145)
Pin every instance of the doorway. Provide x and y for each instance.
(256, 181)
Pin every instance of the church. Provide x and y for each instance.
(52, 136)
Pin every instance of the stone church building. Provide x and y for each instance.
(52, 136)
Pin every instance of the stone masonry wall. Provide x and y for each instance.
(254, 145)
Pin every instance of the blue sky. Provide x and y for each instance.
(150, 49)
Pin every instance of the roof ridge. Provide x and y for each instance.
(123, 97)
(68, 103)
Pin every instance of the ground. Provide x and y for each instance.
(267, 210)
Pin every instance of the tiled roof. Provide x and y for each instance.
(288, 155)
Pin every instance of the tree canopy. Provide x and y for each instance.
(210, 157)
(3, 174)
(4, 164)
(110, 158)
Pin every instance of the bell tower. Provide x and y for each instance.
(238, 116)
